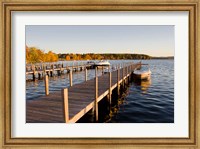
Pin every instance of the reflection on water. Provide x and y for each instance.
(145, 84)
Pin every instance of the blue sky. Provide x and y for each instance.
(154, 40)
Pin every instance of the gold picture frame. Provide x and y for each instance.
(101, 5)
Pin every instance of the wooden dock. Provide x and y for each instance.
(52, 69)
(70, 104)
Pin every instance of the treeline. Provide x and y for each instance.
(92, 56)
(35, 55)
(167, 57)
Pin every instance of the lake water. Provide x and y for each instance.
(143, 102)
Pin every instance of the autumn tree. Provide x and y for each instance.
(34, 55)
(67, 58)
(88, 57)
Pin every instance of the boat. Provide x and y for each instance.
(102, 63)
(90, 62)
(106, 70)
(142, 74)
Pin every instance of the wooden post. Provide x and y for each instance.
(122, 73)
(130, 71)
(33, 76)
(33, 69)
(53, 69)
(96, 94)
(44, 69)
(118, 76)
(64, 93)
(127, 74)
(51, 73)
(39, 76)
(110, 85)
(132, 66)
(86, 74)
(70, 77)
(58, 72)
(47, 84)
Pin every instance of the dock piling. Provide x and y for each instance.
(39, 76)
(123, 76)
(70, 77)
(51, 73)
(127, 74)
(53, 70)
(85, 74)
(110, 86)
(34, 75)
(118, 85)
(46, 84)
(66, 105)
(33, 68)
(96, 94)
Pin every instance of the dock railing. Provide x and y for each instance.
(126, 70)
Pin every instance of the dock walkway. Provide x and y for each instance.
(70, 104)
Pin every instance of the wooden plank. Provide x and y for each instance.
(81, 95)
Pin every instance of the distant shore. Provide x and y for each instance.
(168, 57)
(35, 55)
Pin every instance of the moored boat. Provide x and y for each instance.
(102, 63)
(142, 74)
(90, 63)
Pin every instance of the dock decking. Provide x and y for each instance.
(70, 104)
